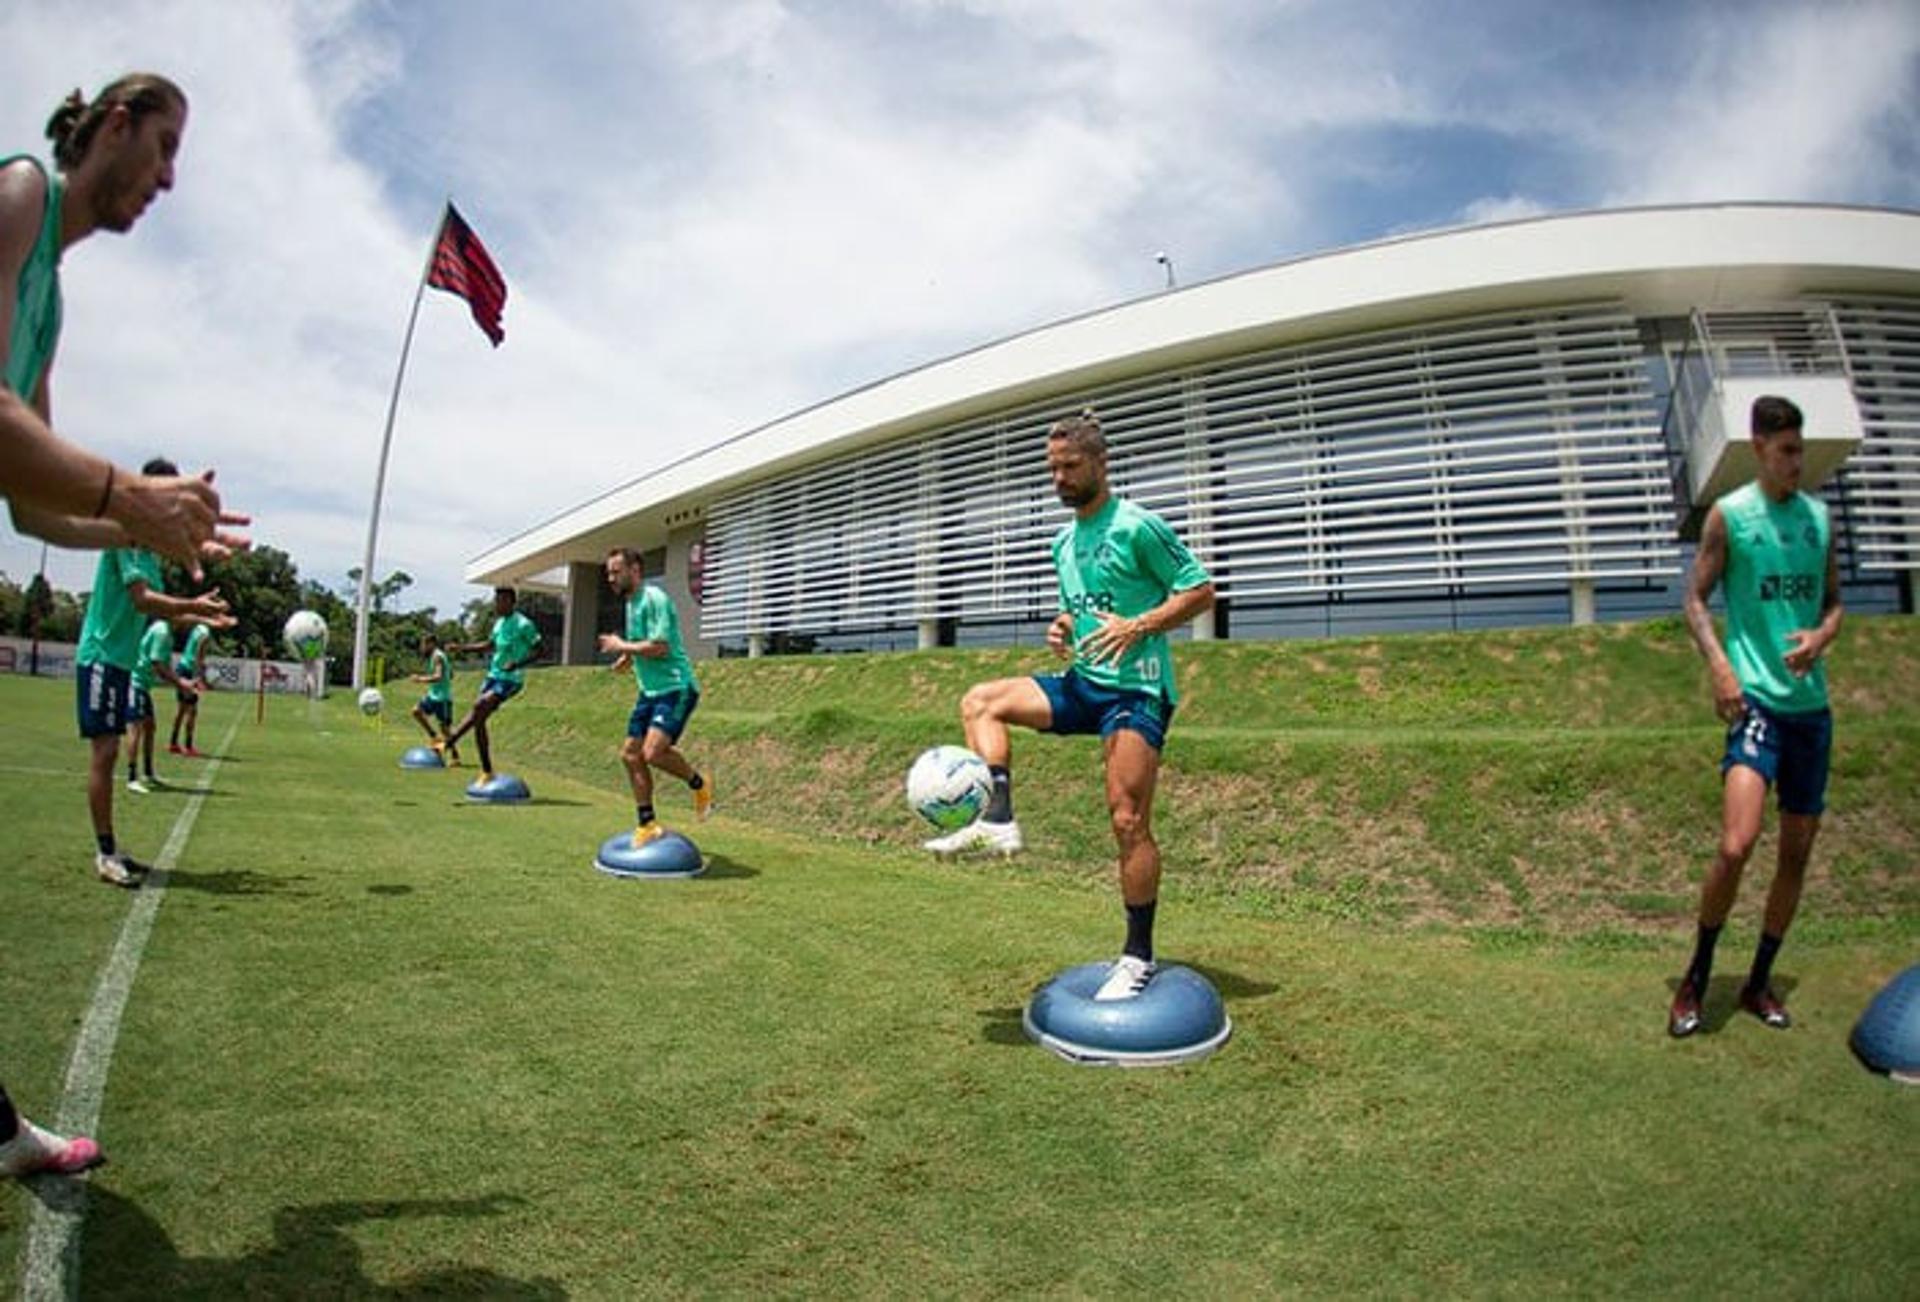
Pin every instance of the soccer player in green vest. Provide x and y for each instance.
(669, 691)
(114, 155)
(153, 660)
(437, 704)
(1126, 581)
(513, 643)
(188, 683)
(1769, 547)
(126, 588)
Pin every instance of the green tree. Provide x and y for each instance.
(262, 586)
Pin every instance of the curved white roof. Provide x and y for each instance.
(1659, 261)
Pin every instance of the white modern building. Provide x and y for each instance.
(1505, 424)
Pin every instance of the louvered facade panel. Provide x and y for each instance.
(1467, 456)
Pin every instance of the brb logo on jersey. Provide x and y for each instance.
(1089, 603)
(1788, 587)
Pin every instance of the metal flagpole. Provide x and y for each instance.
(380, 476)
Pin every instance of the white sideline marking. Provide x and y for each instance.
(52, 1265)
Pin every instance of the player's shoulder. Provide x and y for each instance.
(23, 205)
(23, 183)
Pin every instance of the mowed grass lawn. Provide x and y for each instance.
(386, 1043)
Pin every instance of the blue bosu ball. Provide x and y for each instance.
(667, 855)
(422, 757)
(1177, 1018)
(504, 789)
(1887, 1036)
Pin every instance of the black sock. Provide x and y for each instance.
(105, 841)
(1763, 962)
(9, 1119)
(643, 814)
(695, 782)
(1000, 804)
(1701, 968)
(1140, 929)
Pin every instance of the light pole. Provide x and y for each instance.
(1166, 262)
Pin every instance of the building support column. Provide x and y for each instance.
(1582, 594)
(756, 645)
(929, 634)
(580, 619)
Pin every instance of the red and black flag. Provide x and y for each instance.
(461, 266)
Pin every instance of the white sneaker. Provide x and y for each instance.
(138, 787)
(994, 838)
(117, 870)
(1127, 978)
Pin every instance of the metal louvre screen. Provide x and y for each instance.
(1879, 491)
(1474, 455)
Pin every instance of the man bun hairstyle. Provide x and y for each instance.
(159, 466)
(1082, 430)
(73, 124)
(1772, 414)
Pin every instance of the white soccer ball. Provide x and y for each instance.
(306, 635)
(371, 701)
(949, 786)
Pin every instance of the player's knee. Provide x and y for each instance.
(1736, 848)
(655, 751)
(1129, 822)
(632, 753)
(978, 703)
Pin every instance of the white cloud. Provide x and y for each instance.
(709, 215)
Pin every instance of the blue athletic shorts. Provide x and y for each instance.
(1789, 750)
(183, 694)
(102, 693)
(1082, 707)
(441, 710)
(139, 705)
(669, 712)
(504, 688)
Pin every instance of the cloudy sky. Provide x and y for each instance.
(712, 212)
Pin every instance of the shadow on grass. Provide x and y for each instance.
(234, 881)
(1003, 1026)
(721, 868)
(313, 1253)
(1232, 985)
(1722, 1003)
(389, 890)
(551, 802)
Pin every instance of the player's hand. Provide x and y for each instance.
(1728, 703)
(1803, 649)
(621, 663)
(610, 642)
(1111, 640)
(1060, 636)
(174, 515)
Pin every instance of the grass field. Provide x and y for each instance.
(383, 1043)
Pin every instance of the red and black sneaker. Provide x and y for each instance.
(1764, 1005)
(1683, 1019)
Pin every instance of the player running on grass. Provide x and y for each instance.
(188, 683)
(114, 155)
(1770, 549)
(1125, 581)
(437, 704)
(512, 642)
(669, 691)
